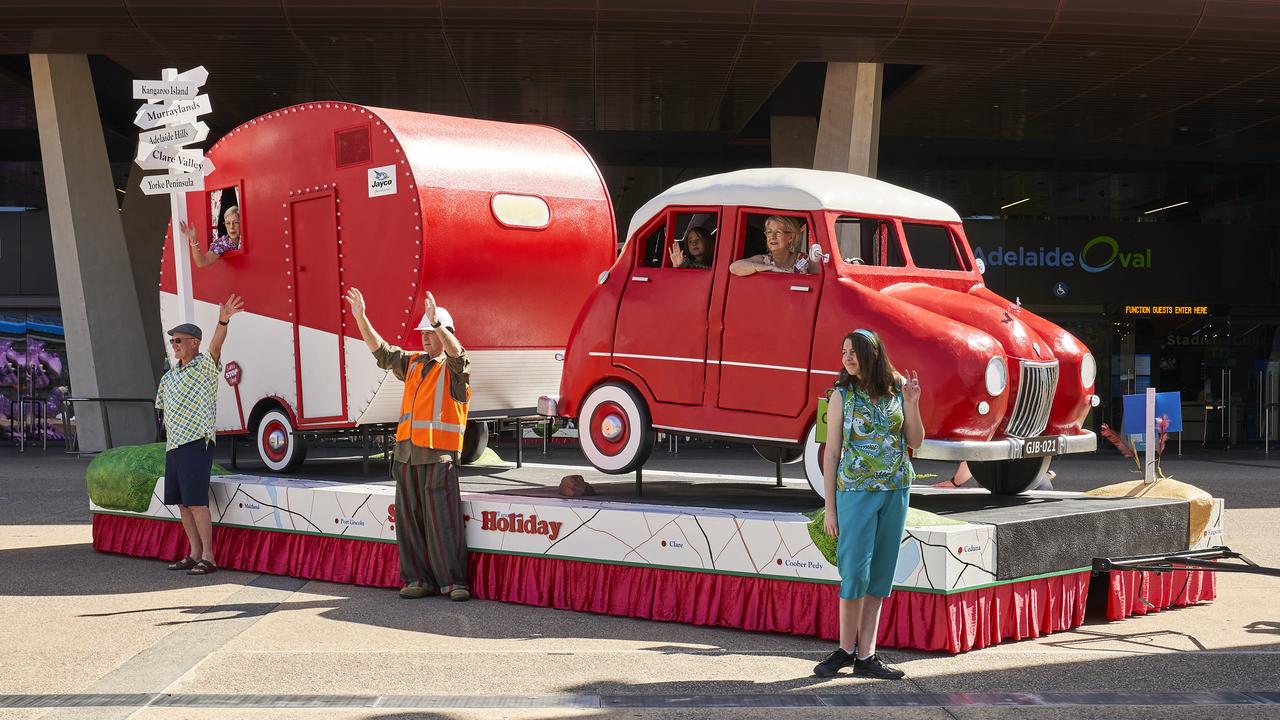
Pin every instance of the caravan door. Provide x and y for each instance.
(317, 311)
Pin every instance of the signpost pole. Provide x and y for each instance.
(181, 254)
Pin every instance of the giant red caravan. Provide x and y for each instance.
(507, 225)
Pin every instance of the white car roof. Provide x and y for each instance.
(798, 189)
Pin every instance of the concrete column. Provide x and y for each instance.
(849, 127)
(146, 220)
(100, 312)
(792, 140)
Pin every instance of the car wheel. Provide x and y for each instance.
(813, 451)
(280, 449)
(614, 429)
(1009, 477)
(773, 452)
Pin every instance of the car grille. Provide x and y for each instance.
(1036, 385)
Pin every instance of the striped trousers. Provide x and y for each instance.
(429, 529)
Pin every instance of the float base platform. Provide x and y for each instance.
(991, 570)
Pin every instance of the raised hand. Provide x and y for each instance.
(677, 256)
(911, 388)
(233, 305)
(429, 305)
(188, 233)
(355, 299)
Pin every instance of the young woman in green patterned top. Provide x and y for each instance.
(872, 418)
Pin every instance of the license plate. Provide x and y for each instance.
(1040, 446)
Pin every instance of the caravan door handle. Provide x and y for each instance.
(639, 278)
(799, 288)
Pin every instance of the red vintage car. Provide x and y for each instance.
(704, 352)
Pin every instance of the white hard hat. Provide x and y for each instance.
(442, 315)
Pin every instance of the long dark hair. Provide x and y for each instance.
(876, 375)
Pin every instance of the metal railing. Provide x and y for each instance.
(72, 438)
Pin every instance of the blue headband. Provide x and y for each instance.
(870, 336)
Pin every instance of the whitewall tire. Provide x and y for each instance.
(813, 460)
(614, 429)
(278, 447)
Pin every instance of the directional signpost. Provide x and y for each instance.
(169, 122)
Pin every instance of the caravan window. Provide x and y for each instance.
(226, 221)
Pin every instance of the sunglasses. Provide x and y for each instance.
(178, 341)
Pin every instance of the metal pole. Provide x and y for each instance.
(777, 467)
(639, 482)
(519, 443)
(1150, 428)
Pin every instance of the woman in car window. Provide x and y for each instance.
(785, 239)
(699, 254)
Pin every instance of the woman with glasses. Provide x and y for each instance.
(784, 238)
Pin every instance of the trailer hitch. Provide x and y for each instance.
(1207, 559)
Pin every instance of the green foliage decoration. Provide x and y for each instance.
(124, 478)
(826, 544)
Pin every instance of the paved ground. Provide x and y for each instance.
(73, 622)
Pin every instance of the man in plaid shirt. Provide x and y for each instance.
(188, 395)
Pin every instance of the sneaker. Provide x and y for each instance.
(875, 667)
(414, 590)
(459, 594)
(836, 660)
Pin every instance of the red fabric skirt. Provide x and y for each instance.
(1138, 592)
(924, 621)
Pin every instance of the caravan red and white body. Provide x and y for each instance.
(507, 225)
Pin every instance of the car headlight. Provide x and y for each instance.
(1088, 370)
(997, 376)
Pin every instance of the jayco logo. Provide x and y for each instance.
(382, 181)
(518, 523)
(1097, 255)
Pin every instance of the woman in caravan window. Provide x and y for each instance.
(222, 244)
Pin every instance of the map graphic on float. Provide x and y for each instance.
(945, 558)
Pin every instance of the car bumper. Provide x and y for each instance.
(1003, 449)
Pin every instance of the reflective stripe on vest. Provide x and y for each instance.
(429, 416)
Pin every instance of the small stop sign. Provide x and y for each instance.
(232, 373)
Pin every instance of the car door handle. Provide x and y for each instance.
(639, 278)
(799, 288)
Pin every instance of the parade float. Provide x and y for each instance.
(512, 228)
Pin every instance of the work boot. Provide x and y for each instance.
(414, 590)
(875, 667)
(836, 660)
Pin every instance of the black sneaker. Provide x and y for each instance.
(836, 660)
(875, 667)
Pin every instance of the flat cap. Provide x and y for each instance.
(188, 329)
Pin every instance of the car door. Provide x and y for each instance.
(767, 334)
(661, 332)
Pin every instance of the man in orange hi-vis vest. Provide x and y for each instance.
(433, 416)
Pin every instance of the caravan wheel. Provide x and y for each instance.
(278, 447)
(474, 441)
(614, 429)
